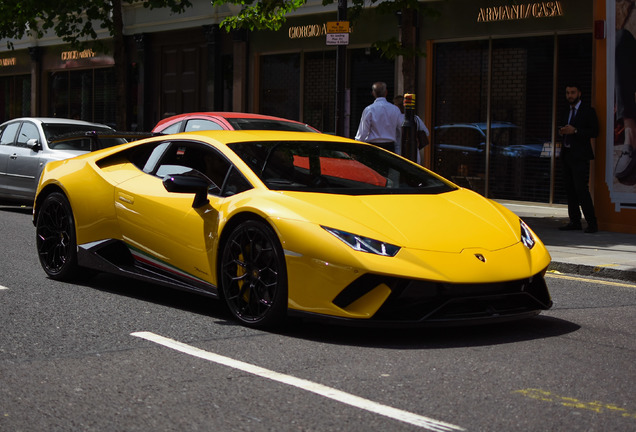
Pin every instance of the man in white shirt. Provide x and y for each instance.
(381, 121)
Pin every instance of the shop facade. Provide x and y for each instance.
(490, 87)
(495, 97)
(56, 81)
(498, 84)
(15, 84)
(294, 73)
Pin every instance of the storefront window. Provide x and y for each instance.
(105, 96)
(493, 113)
(15, 94)
(84, 94)
(521, 118)
(319, 95)
(366, 67)
(280, 86)
(461, 85)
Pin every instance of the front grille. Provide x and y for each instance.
(419, 301)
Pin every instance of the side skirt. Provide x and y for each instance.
(114, 256)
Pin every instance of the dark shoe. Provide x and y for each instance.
(591, 229)
(571, 227)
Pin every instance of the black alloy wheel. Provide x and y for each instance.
(55, 238)
(254, 275)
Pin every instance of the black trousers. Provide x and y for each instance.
(576, 178)
(390, 146)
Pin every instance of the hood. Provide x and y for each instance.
(448, 222)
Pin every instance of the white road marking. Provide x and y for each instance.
(3, 287)
(319, 389)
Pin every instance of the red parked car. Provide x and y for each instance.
(199, 121)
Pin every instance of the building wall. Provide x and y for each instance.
(180, 74)
(615, 213)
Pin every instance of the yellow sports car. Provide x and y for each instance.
(290, 223)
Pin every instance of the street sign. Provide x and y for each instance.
(338, 33)
(338, 27)
(337, 38)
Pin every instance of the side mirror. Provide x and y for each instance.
(188, 184)
(33, 144)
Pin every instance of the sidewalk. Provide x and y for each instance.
(604, 254)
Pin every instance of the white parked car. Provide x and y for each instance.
(29, 143)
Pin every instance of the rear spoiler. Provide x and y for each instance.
(96, 137)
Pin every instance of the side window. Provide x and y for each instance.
(181, 157)
(8, 135)
(195, 125)
(185, 156)
(235, 183)
(172, 129)
(27, 131)
(153, 158)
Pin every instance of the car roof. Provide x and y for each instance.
(228, 137)
(57, 120)
(220, 114)
(229, 114)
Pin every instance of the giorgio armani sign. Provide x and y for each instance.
(547, 9)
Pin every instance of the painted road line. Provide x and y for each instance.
(594, 281)
(595, 406)
(319, 389)
(3, 287)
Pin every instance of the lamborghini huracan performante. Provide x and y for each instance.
(283, 224)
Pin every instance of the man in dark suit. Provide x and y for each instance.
(576, 153)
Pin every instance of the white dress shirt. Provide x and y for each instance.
(380, 123)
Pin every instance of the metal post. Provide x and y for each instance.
(409, 129)
(341, 62)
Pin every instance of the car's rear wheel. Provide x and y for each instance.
(254, 275)
(55, 238)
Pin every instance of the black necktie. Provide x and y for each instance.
(566, 138)
(572, 114)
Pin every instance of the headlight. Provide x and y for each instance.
(364, 244)
(526, 235)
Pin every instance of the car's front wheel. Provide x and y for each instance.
(254, 275)
(55, 238)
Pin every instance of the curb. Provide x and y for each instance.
(595, 271)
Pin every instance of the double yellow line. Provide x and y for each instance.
(557, 275)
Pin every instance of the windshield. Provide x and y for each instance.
(52, 130)
(265, 124)
(336, 167)
(56, 136)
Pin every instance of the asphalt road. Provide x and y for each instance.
(116, 355)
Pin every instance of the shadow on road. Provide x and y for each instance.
(539, 327)
(153, 293)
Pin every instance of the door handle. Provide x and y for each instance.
(128, 199)
(13, 156)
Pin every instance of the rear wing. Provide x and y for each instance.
(96, 140)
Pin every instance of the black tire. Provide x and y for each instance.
(254, 275)
(55, 238)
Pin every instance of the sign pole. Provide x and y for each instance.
(341, 63)
(409, 129)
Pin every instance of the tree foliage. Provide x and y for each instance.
(76, 22)
(80, 22)
(271, 15)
